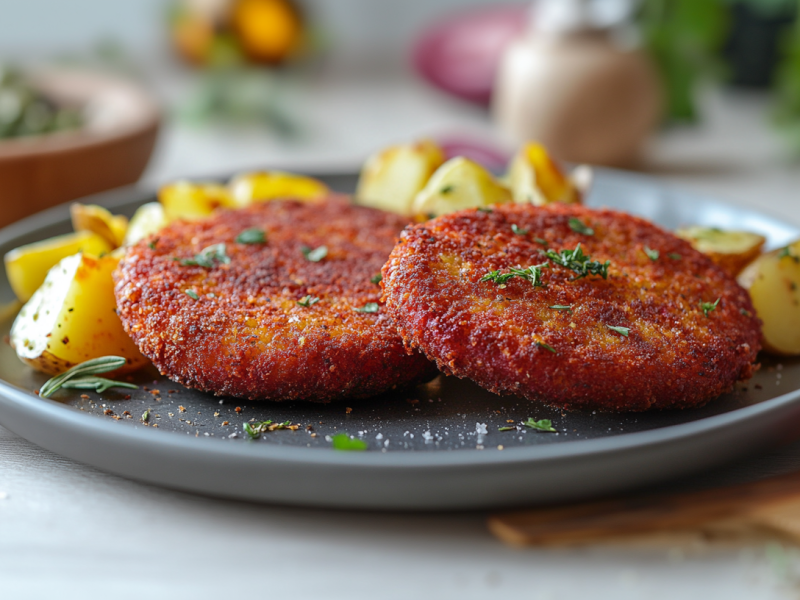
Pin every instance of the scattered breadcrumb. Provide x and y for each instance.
(348, 410)
(85, 396)
(181, 408)
(238, 409)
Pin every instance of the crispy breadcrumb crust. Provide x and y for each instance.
(246, 335)
(673, 357)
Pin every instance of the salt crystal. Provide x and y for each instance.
(379, 436)
(480, 429)
(427, 437)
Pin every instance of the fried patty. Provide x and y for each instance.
(553, 341)
(273, 323)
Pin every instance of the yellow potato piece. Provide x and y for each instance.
(72, 318)
(536, 179)
(90, 217)
(27, 266)
(773, 281)
(731, 250)
(391, 178)
(459, 183)
(272, 185)
(192, 201)
(148, 219)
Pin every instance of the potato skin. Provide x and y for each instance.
(251, 339)
(673, 357)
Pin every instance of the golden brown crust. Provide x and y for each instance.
(674, 355)
(246, 335)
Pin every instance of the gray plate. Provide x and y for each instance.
(436, 446)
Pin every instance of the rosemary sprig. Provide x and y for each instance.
(532, 274)
(104, 364)
(98, 384)
(577, 261)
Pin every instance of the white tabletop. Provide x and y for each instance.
(70, 531)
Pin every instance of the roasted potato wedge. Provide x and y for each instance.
(459, 183)
(191, 201)
(773, 281)
(731, 250)
(147, 220)
(535, 178)
(27, 266)
(391, 178)
(99, 220)
(270, 185)
(71, 318)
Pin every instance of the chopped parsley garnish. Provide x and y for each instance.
(485, 209)
(342, 441)
(376, 278)
(146, 416)
(507, 429)
(532, 274)
(541, 241)
(254, 430)
(307, 301)
(579, 262)
(104, 364)
(152, 243)
(546, 347)
(315, 254)
(541, 425)
(651, 254)
(745, 312)
(369, 307)
(578, 226)
(707, 307)
(561, 307)
(252, 236)
(446, 189)
(674, 256)
(518, 230)
(192, 294)
(621, 330)
(208, 257)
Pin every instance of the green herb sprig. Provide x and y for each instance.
(208, 257)
(620, 330)
(541, 425)
(547, 347)
(342, 441)
(252, 236)
(707, 307)
(314, 254)
(651, 254)
(254, 430)
(518, 230)
(577, 261)
(561, 307)
(307, 301)
(104, 364)
(98, 384)
(532, 274)
(579, 226)
(192, 294)
(369, 307)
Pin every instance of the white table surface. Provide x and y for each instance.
(70, 531)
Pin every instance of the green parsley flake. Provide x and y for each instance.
(307, 301)
(546, 347)
(541, 241)
(541, 425)
(707, 307)
(651, 254)
(578, 226)
(532, 274)
(561, 307)
(152, 243)
(342, 441)
(192, 294)
(507, 429)
(146, 416)
(579, 262)
(376, 278)
(485, 209)
(315, 254)
(251, 236)
(369, 307)
(674, 256)
(446, 189)
(518, 230)
(621, 330)
(208, 257)
(786, 251)
(254, 430)
(745, 312)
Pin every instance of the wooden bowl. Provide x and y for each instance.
(111, 149)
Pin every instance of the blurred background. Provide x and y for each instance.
(705, 92)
